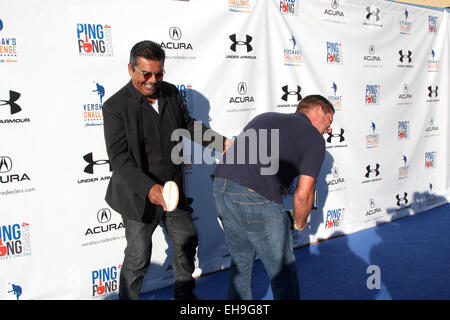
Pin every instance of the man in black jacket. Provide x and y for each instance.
(138, 124)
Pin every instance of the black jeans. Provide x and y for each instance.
(181, 231)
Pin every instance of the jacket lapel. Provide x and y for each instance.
(135, 117)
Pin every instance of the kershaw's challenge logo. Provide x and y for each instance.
(405, 25)
(335, 98)
(93, 111)
(372, 139)
(293, 57)
(403, 171)
(239, 6)
(8, 47)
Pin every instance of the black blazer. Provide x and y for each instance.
(129, 184)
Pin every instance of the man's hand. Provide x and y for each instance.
(155, 196)
(303, 200)
(227, 144)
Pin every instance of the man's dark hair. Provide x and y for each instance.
(148, 50)
(311, 101)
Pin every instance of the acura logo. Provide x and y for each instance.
(242, 88)
(104, 215)
(175, 33)
(5, 164)
(334, 4)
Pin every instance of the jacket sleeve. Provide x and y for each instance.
(124, 165)
(190, 125)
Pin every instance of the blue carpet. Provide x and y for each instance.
(412, 254)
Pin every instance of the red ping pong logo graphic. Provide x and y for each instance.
(105, 281)
(87, 46)
(3, 249)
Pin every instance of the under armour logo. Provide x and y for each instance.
(402, 200)
(104, 215)
(370, 170)
(373, 13)
(405, 56)
(433, 93)
(241, 43)
(287, 93)
(13, 97)
(90, 167)
(332, 135)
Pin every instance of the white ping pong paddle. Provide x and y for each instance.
(170, 195)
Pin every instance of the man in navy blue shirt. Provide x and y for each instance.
(272, 150)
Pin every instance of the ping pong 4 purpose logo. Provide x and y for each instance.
(334, 218)
(94, 40)
(105, 281)
(372, 94)
(334, 53)
(15, 241)
(289, 7)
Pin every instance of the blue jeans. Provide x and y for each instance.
(255, 225)
(181, 231)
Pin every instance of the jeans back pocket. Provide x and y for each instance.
(255, 215)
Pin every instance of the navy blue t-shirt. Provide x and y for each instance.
(271, 151)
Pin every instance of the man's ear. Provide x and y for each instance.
(130, 69)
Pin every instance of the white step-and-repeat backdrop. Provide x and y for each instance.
(383, 65)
